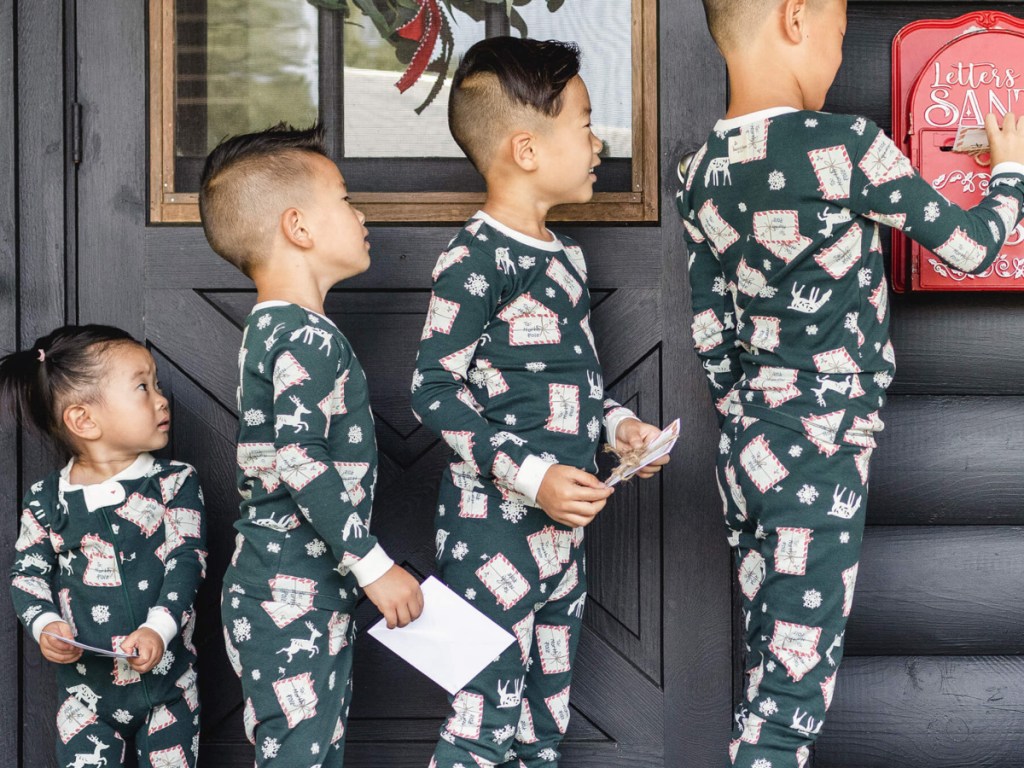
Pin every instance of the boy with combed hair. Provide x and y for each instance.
(508, 375)
(276, 207)
(781, 209)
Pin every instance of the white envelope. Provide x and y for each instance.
(92, 648)
(451, 642)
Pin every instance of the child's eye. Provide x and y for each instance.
(142, 386)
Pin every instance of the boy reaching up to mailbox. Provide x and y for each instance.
(781, 209)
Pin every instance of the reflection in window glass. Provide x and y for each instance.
(243, 65)
(381, 122)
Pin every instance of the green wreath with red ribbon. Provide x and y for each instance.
(414, 27)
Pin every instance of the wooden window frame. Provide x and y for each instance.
(641, 204)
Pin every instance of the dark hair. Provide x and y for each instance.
(36, 383)
(242, 176)
(531, 74)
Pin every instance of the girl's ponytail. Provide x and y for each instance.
(23, 387)
(36, 384)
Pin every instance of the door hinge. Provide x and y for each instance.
(76, 132)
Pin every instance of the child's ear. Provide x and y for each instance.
(524, 150)
(79, 422)
(295, 230)
(794, 20)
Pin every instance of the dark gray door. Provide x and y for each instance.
(653, 680)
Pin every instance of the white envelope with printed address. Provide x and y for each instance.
(451, 642)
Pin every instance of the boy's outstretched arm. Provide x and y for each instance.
(886, 188)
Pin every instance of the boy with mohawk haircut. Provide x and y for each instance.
(781, 209)
(508, 375)
(276, 207)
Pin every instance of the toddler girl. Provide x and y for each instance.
(110, 551)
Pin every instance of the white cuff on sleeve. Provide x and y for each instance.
(160, 621)
(42, 620)
(612, 420)
(372, 566)
(530, 476)
(1008, 168)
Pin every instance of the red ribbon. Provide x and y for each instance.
(425, 27)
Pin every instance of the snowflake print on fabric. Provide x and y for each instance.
(761, 763)
(263, 322)
(932, 212)
(510, 419)
(593, 428)
(768, 707)
(477, 285)
(271, 747)
(896, 196)
(812, 330)
(122, 716)
(864, 277)
(460, 550)
(776, 180)
(254, 417)
(811, 122)
(101, 614)
(796, 451)
(316, 548)
(355, 434)
(812, 599)
(242, 630)
(535, 367)
(844, 537)
(513, 511)
(143, 585)
(527, 261)
(807, 495)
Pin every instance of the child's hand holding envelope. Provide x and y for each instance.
(643, 449)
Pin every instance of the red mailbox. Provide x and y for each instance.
(947, 75)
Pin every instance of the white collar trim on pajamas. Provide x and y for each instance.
(752, 117)
(275, 303)
(109, 491)
(554, 245)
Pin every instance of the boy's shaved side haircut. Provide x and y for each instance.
(501, 81)
(248, 181)
(728, 19)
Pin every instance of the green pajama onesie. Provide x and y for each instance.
(790, 302)
(118, 555)
(307, 468)
(508, 375)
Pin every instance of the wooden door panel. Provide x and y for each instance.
(196, 334)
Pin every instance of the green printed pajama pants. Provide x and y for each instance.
(795, 513)
(295, 664)
(97, 717)
(517, 566)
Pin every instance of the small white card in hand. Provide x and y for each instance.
(92, 648)
(657, 448)
(451, 642)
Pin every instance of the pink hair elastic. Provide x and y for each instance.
(42, 355)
